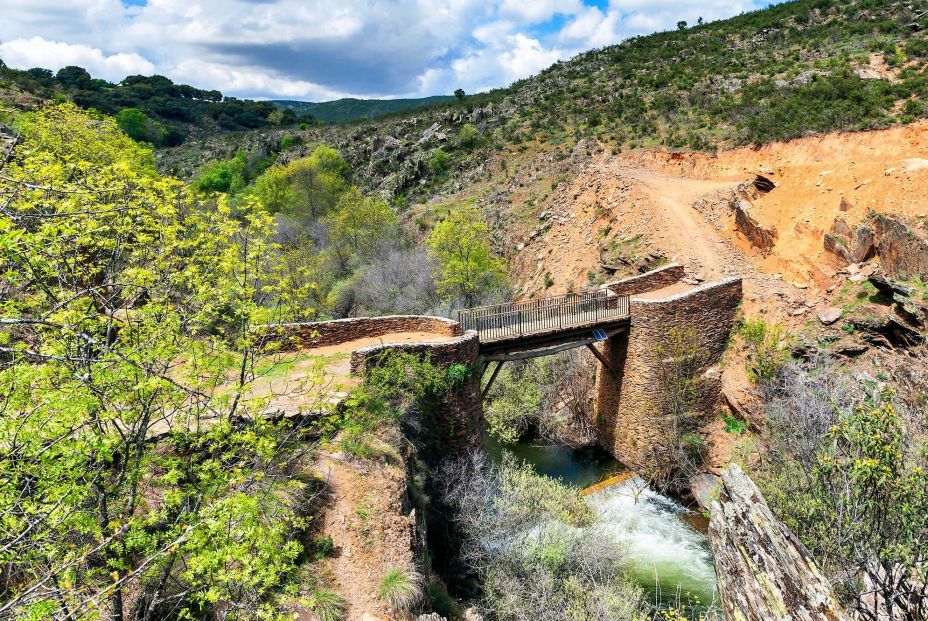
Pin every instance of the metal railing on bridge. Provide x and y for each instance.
(517, 319)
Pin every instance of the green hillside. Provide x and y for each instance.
(349, 109)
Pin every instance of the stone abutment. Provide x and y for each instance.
(629, 406)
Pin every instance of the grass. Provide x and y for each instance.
(328, 605)
(400, 588)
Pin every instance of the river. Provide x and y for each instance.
(665, 543)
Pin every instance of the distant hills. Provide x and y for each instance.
(348, 109)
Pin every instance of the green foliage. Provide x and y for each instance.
(439, 161)
(327, 605)
(393, 384)
(134, 122)
(468, 268)
(842, 102)
(767, 349)
(128, 313)
(400, 588)
(467, 136)
(170, 108)
(523, 494)
(323, 547)
(349, 109)
(357, 228)
(835, 497)
(542, 557)
(516, 400)
(222, 175)
(734, 425)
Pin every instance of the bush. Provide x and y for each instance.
(467, 136)
(766, 346)
(525, 536)
(841, 454)
(438, 162)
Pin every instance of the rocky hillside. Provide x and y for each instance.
(799, 68)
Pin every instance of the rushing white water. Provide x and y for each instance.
(663, 552)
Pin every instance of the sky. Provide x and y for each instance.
(318, 50)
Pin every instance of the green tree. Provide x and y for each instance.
(75, 77)
(468, 268)
(317, 182)
(128, 313)
(134, 122)
(460, 94)
(358, 228)
(273, 189)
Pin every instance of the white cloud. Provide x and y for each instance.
(37, 52)
(534, 11)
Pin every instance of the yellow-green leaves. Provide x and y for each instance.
(469, 269)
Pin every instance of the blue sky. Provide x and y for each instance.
(325, 49)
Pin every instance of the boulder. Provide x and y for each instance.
(705, 488)
(763, 184)
(830, 315)
(912, 311)
(764, 571)
(760, 237)
(432, 131)
(836, 245)
(888, 331)
(851, 245)
(890, 288)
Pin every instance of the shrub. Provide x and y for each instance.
(841, 454)
(324, 546)
(525, 536)
(733, 424)
(467, 136)
(400, 588)
(766, 345)
(438, 162)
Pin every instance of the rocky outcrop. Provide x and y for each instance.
(850, 245)
(764, 571)
(903, 250)
(759, 236)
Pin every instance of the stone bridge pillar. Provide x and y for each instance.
(628, 399)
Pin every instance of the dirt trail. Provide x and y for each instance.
(683, 229)
(372, 530)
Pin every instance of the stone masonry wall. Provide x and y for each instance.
(298, 336)
(627, 401)
(460, 424)
(649, 281)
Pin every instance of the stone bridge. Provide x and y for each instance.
(629, 319)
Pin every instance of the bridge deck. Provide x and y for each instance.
(546, 321)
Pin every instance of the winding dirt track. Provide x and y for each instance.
(685, 231)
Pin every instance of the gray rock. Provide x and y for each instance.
(764, 572)
(830, 315)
